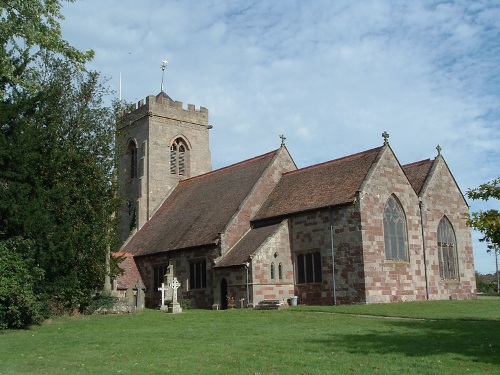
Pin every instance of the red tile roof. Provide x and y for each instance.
(131, 275)
(199, 208)
(417, 173)
(322, 185)
(247, 246)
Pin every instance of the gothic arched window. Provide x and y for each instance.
(272, 271)
(395, 235)
(178, 157)
(280, 271)
(447, 250)
(132, 154)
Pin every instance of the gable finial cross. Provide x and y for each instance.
(282, 136)
(385, 135)
(438, 148)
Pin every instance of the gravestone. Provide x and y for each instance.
(163, 306)
(139, 304)
(129, 296)
(175, 308)
(168, 278)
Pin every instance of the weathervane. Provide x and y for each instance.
(163, 66)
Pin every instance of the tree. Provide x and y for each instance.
(28, 29)
(56, 155)
(19, 305)
(487, 222)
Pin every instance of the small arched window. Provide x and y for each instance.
(272, 271)
(132, 155)
(280, 271)
(395, 234)
(447, 253)
(178, 157)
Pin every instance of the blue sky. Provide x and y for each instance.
(330, 75)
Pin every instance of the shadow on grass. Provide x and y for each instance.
(477, 340)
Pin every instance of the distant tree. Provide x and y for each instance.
(487, 222)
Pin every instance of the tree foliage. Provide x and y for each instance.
(28, 29)
(56, 154)
(19, 305)
(487, 222)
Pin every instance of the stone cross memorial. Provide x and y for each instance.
(163, 289)
(175, 308)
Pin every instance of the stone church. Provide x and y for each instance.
(359, 229)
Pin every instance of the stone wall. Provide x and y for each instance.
(441, 197)
(311, 232)
(276, 250)
(390, 280)
(153, 126)
(240, 223)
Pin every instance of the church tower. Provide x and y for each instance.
(158, 143)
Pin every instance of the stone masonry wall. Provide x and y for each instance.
(441, 197)
(311, 232)
(388, 280)
(275, 250)
(154, 125)
(240, 223)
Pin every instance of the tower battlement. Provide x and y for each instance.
(163, 106)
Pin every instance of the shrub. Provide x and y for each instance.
(101, 300)
(19, 305)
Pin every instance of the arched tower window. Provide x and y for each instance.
(132, 155)
(395, 234)
(178, 157)
(447, 250)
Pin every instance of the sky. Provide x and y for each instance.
(329, 75)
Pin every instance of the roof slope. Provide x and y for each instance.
(247, 246)
(322, 185)
(417, 173)
(199, 208)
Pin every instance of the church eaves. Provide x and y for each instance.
(322, 185)
(198, 209)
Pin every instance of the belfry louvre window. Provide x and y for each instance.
(198, 274)
(178, 156)
(132, 154)
(309, 268)
(395, 234)
(447, 253)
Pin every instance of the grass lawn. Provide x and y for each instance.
(446, 337)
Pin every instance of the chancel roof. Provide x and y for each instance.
(247, 246)
(417, 173)
(322, 185)
(199, 208)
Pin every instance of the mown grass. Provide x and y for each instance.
(448, 337)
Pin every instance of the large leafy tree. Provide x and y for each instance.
(56, 155)
(28, 29)
(487, 222)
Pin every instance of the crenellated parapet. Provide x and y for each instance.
(163, 106)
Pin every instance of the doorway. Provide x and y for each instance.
(223, 294)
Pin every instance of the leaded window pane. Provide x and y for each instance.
(395, 236)
(447, 250)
